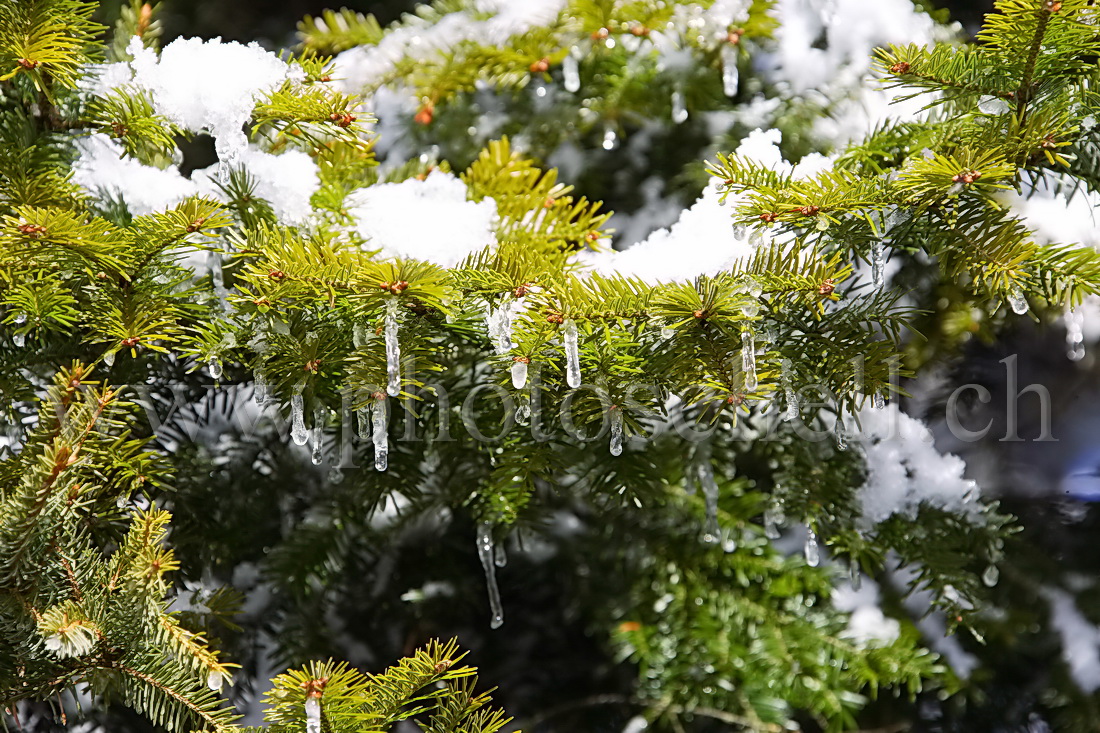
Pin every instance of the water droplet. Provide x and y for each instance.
(610, 139)
(215, 367)
(109, 358)
(991, 105)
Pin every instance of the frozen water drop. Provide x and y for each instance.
(109, 358)
(519, 374)
(523, 410)
(811, 549)
(500, 557)
(261, 387)
(991, 576)
(19, 340)
(298, 419)
(748, 360)
(712, 532)
(393, 349)
(730, 75)
(363, 418)
(1017, 300)
(488, 563)
(215, 680)
(878, 402)
(381, 438)
(572, 354)
(616, 431)
(215, 367)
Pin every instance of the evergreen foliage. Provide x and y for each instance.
(713, 383)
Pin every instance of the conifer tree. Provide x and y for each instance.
(712, 440)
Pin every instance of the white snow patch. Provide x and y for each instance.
(427, 220)
(144, 189)
(286, 181)
(867, 624)
(209, 85)
(1080, 639)
(905, 470)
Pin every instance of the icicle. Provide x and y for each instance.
(318, 435)
(789, 393)
(519, 374)
(298, 419)
(839, 434)
(393, 349)
(811, 549)
(572, 355)
(991, 576)
(616, 431)
(381, 439)
(313, 714)
(610, 139)
(679, 109)
(215, 367)
(748, 360)
(772, 519)
(109, 358)
(1017, 300)
(498, 322)
(500, 558)
(571, 72)
(878, 264)
(854, 576)
(485, 552)
(711, 532)
(363, 418)
(217, 279)
(730, 75)
(261, 387)
(878, 402)
(1075, 337)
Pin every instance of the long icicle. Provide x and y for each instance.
(381, 439)
(712, 532)
(878, 264)
(572, 355)
(730, 75)
(748, 360)
(789, 393)
(812, 550)
(488, 563)
(571, 72)
(313, 714)
(298, 418)
(616, 416)
(318, 436)
(393, 349)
